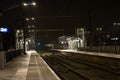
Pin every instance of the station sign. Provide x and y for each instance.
(4, 30)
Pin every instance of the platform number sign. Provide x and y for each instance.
(4, 30)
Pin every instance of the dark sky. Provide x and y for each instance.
(61, 14)
(68, 7)
(65, 12)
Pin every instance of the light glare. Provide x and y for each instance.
(33, 18)
(25, 4)
(27, 19)
(34, 3)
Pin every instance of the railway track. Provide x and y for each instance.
(65, 71)
(70, 68)
(105, 67)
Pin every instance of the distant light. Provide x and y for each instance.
(29, 4)
(81, 29)
(77, 40)
(29, 40)
(28, 26)
(26, 43)
(118, 24)
(114, 38)
(62, 42)
(29, 30)
(38, 44)
(33, 18)
(114, 23)
(33, 3)
(99, 29)
(27, 19)
(25, 4)
(18, 31)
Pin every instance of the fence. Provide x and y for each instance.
(6, 56)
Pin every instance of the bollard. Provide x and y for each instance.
(2, 60)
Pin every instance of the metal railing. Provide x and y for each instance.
(102, 49)
(6, 56)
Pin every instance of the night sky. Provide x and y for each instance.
(64, 13)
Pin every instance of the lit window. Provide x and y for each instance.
(118, 24)
(33, 18)
(114, 23)
(28, 26)
(27, 19)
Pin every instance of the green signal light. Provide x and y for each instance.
(39, 44)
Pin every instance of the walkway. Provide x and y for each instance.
(28, 67)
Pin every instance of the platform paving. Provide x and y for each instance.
(28, 67)
(92, 53)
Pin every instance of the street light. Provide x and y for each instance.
(27, 19)
(25, 4)
(33, 3)
(29, 4)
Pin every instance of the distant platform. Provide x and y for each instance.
(102, 58)
(92, 53)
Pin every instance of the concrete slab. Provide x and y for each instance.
(28, 67)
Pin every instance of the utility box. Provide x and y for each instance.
(2, 60)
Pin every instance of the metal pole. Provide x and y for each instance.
(24, 37)
(24, 31)
(90, 29)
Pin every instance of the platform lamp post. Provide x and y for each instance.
(24, 28)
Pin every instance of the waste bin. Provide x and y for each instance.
(2, 60)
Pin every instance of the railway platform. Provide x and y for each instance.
(104, 58)
(110, 55)
(28, 67)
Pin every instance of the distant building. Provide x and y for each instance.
(70, 42)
